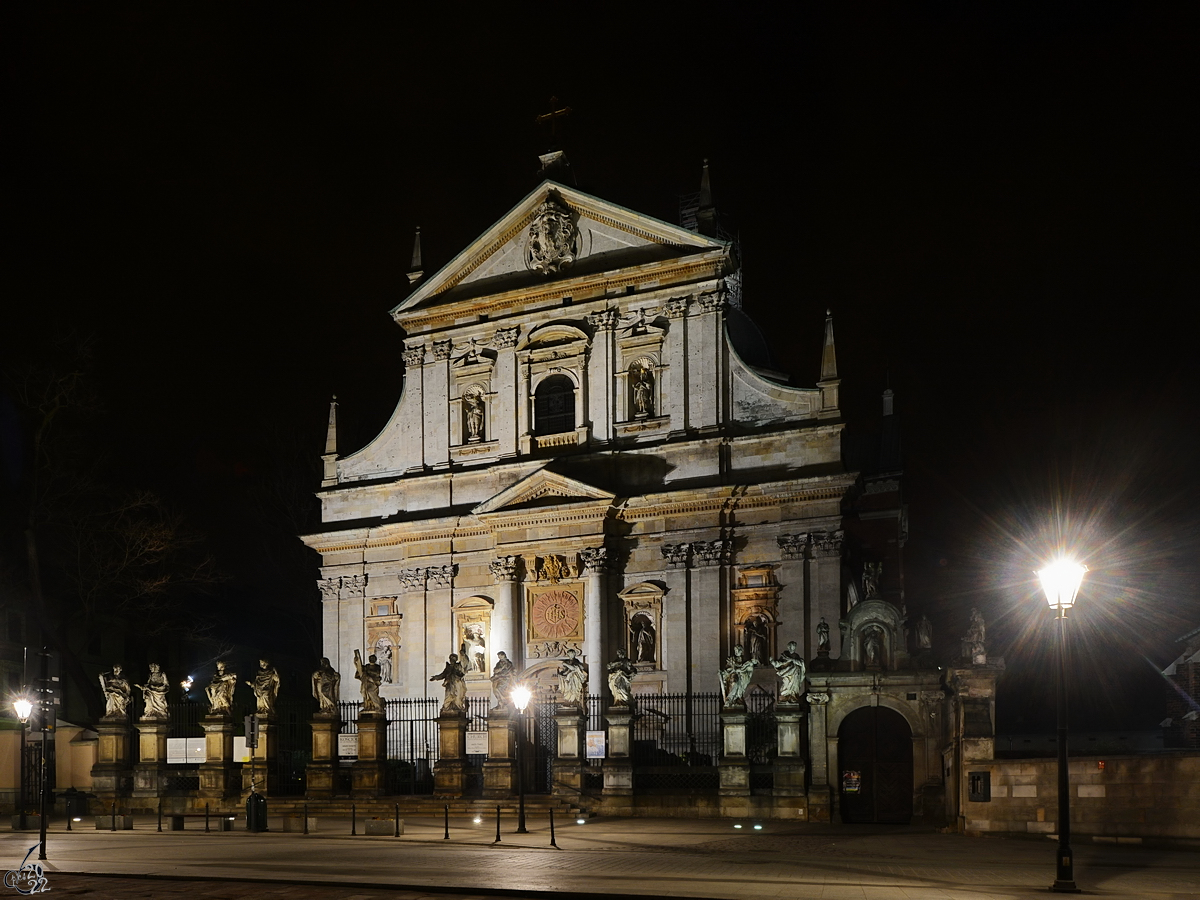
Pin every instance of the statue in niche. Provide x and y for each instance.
(822, 636)
(735, 677)
(473, 405)
(924, 633)
(220, 690)
(755, 634)
(573, 680)
(455, 686)
(873, 647)
(473, 649)
(383, 652)
(504, 679)
(643, 390)
(327, 688)
(790, 670)
(116, 693)
(642, 638)
(266, 688)
(872, 573)
(370, 676)
(154, 693)
(620, 678)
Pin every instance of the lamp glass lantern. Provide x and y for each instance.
(1061, 580)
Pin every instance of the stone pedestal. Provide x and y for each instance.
(734, 764)
(366, 775)
(789, 762)
(449, 775)
(150, 771)
(217, 770)
(618, 765)
(321, 772)
(254, 773)
(112, 774)
(569, 761)
(820, 798)
(499, 769)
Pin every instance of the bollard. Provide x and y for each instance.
(306, 818)
(397, 834)
(353, 820)
(552, 844)
(497, 840)
(160, 815)
(446, 836)
(68, 821)
(206, 818)
(114, 817)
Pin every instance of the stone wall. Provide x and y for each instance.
(1115, 796)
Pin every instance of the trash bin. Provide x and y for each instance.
(256, 812)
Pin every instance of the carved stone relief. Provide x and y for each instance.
(711, 553)
(442, 349)
(473, 628)
(553, 242)
(593, 559)
(330, 588)
(676, 308)
(506, 338)
(504, 568)
(414, 355)
(676, 555)
(794, 546)
(554, 613)
(604, 320)
(353, 586)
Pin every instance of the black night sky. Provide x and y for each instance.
(999, 207)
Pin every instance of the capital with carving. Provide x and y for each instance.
(817, 699)
(711, 553)
(711, 301)
(593, 560)
(794, 546)
(676, 555)
(439, 576)
(676, 308)
(414, 355)
(827, 543)
(442, 349)
(412, 579)
(330, 587)
(504, 568)
(604, 320)
(506, 338)
(354, 586)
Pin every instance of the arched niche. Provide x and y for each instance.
(473, 636)
(642, 614)
(875, 622)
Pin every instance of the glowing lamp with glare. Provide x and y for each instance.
(1061, 580)
(520, 697)
(23, 708)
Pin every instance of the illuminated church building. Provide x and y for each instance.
(591, 452)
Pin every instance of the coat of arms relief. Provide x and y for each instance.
(553, 239)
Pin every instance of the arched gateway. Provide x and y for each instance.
(875, 757)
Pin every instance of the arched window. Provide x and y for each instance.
(554, 406)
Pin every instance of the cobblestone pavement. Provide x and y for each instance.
(603, 858)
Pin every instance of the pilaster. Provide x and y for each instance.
(449, 775)
(217, 770)
(789, 760)
(819, 799)
(499, 769)
(151, 768)
(571, 727)
(112, 774)
(321, 772)
(618, 765)
(366, 773)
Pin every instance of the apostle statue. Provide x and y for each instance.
(974, 646)
(154, 693)
(327, 688)
(620, 678)
(220, 690)
(266, 688)
(474, 407)
(755, 631)
(735, 677)
(573, 680)
(116, 693)
(823, 636)
(369, 678)
(504, 679)
(643, 402)
(790, 669)
(454, 684)
(873, 647)
(924, 633)
(383, 652)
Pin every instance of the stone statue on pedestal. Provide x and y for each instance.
(620, 678)
(116, 693)
(454, 682)
(573, 680)
(266, 688)
(735, 677)
(504, 679)
(369, 677)
(974, 641)
(822, 636)
(326, 688)
(154, 693)
(220, 690)
(790, 669)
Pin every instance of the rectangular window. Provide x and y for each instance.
(979, 787)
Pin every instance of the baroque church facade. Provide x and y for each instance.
(589, 455)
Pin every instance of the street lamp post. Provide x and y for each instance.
(24, 709)
(520, 697)
(1061, 581)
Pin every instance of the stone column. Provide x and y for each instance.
(734, 764)
(569, 761)
(112, 775)
(321, 772)
(151, 767)
(499, 769)
(216, 772)
(818, 753)
(504, 614)
(789, 760)
(449, 774)
(366, 774)
(618, 765)
(594, 563)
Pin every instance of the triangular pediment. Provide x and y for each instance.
(543, 487)
(513, 253)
